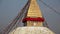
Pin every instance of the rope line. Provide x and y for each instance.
(50, 7)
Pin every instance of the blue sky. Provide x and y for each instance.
(10, 8)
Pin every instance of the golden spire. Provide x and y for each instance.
(34, 12)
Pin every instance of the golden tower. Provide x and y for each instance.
(33, 15)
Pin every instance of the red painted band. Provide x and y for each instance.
(33, 19)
